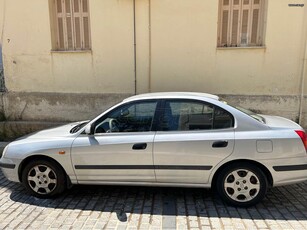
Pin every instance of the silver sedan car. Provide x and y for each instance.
(164, 139)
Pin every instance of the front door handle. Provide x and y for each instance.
(220, 144)
(139, 146)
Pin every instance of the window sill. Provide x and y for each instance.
(242, 48)
(70, 51)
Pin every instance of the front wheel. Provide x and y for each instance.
(43, 178)
(242, 184)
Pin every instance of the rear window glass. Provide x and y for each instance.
(183, 115)
(246, 111)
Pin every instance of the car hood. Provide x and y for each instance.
(280, 122)
(60, 131)
(47, 141)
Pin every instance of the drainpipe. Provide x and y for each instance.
(2, 31)
(2, 81)
(149, 46)
(303, 69)
(134, 29)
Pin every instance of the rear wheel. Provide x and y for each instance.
(242, 184)
(43, 178)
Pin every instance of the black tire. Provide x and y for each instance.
(43, 178)
(241, 184)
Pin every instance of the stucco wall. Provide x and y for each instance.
(175, 51)
(184, 36)
(31, 66)
(183, 50)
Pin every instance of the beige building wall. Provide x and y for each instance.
(176, 50)
(185, 56)
(32, 66)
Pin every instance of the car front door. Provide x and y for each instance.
(192, 137)
(120, 150)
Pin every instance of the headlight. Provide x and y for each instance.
(4, 151)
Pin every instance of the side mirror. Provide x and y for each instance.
(88, 130)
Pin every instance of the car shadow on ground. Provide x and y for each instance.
(281, 203)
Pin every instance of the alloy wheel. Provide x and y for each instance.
(42, 179)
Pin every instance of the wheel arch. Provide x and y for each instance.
(259, 165)
(41, 157)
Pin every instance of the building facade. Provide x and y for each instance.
(71, 59)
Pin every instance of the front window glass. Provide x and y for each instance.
(192, 115)
(136, 117)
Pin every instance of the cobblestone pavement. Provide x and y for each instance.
(112, 207)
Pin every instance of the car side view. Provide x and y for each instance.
(180, 139)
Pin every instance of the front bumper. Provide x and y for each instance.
(10, 169)
(7, 166)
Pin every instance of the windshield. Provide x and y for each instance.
(246, 111)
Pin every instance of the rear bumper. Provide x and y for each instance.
(287, 171)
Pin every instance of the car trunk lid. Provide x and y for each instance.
(280, 122)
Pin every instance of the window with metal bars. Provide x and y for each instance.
(72, 25)
(240, 23)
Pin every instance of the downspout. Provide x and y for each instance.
(134, 29)
(3, 109)
(2, 29)
(303, 69)
(149, 46)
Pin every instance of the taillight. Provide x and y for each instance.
(303, 137)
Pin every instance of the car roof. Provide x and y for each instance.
(189, 95)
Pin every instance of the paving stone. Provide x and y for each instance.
(121, 208)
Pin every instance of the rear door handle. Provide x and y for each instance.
(220, 144)
(139, 146)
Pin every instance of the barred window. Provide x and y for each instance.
(72, 25)
(241, 23)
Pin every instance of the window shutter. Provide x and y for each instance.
(255, 26)
(72, 22)
(224, 27)
(240, 22)
(255, 22)
(59, 6)
(244, 29)
(60, 24)
(86, 31)
(78, 33)
(77, 25)
(60, 34)
(235, 26)
(235, 23)
(69, 27)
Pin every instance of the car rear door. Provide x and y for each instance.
(192, 137)
(119, 152)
